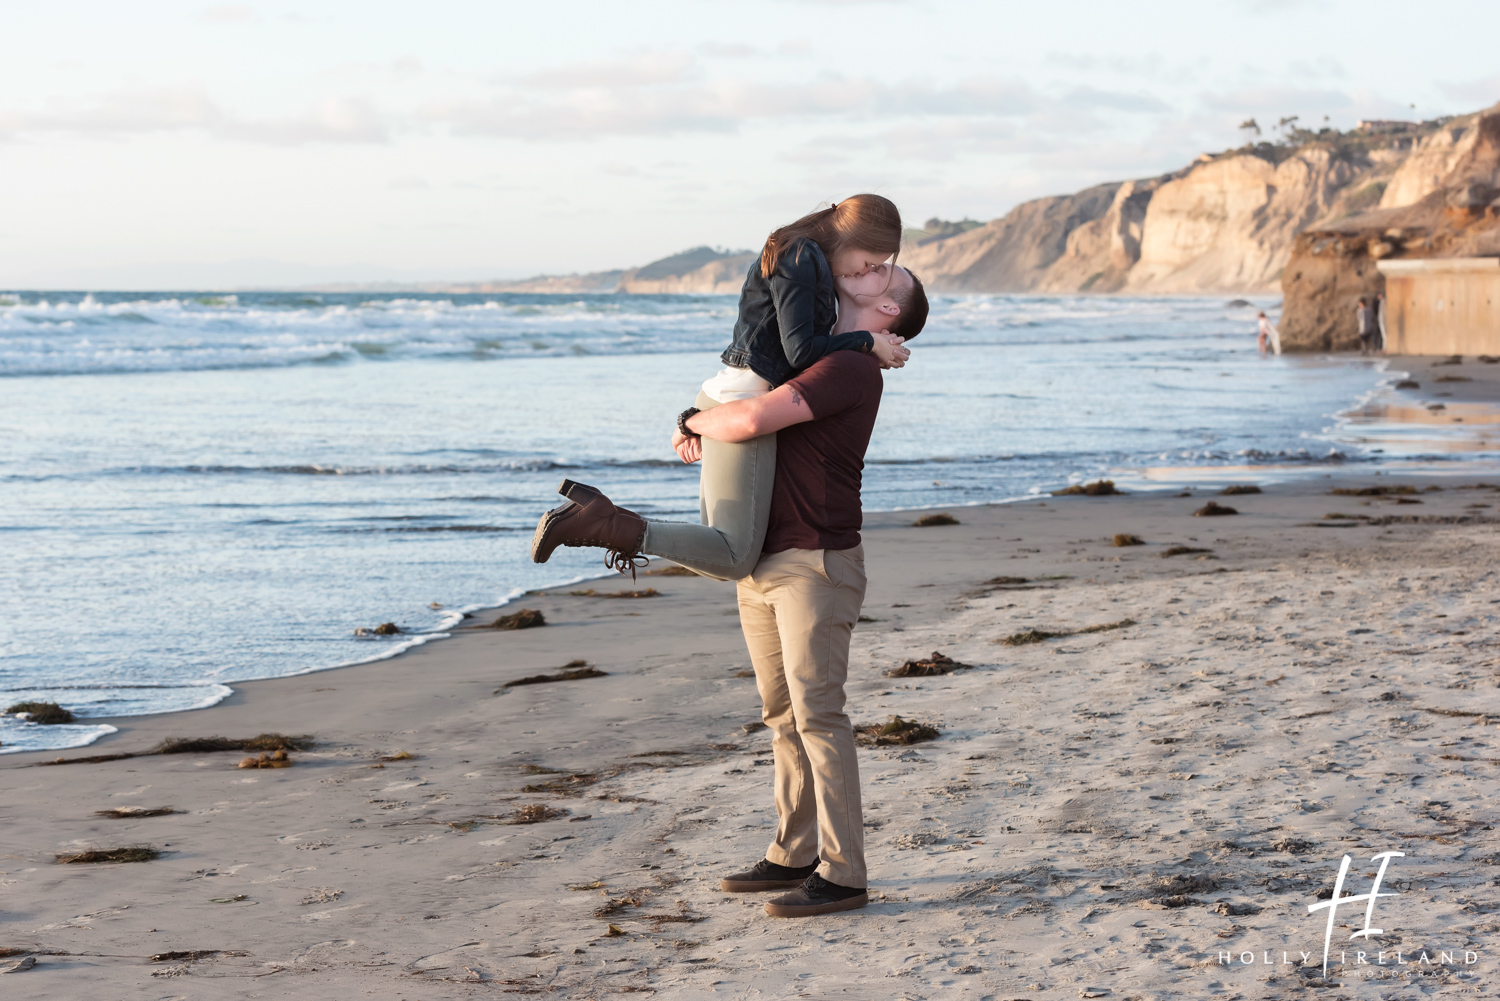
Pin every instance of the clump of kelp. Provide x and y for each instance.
(938, 663)
(1123, 539)
(1183, 550)
(1099, 488)
(200, 745)
(535, 813)
(46, 713)
(1031, 636)
(526, 618)
(1235, 489)
(1213, 509)
(649, 592)
(271, 759)
(573, 670)
(129, 853)
(894, 732)
(670, 570)
(133, 812)
(932, 520)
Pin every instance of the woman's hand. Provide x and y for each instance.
(888, 349)
(690, 450)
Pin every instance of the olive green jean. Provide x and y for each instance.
(734, 504)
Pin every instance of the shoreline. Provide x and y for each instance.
(1079, 780)
(1481, 385)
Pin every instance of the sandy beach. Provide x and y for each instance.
(1169, 778)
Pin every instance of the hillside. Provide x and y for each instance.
(1225, 223)
(1442, 201)
(699, 271)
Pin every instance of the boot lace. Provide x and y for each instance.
(620, 562)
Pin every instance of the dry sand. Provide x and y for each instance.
(1104, 813)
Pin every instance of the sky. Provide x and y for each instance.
(160, 145)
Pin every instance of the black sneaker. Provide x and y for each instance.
(767, 875)
(817, 896)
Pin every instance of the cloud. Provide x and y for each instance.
(1277, 100)
(228, 14)
(333, 120)
(640, 71)
(1482, 92)
(669, 96)
(409, 182)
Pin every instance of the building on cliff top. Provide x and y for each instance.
(1442, 306)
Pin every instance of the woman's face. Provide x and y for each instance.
(853, 262)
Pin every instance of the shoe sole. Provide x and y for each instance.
(540, 551)
(776, 910)
(757, 885)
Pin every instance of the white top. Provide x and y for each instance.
(735, 384)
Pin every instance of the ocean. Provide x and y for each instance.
(202, 489)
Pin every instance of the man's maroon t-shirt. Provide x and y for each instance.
(816, 504)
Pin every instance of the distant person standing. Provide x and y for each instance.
(1380, 321)
(1268, 335)
(1364, 315)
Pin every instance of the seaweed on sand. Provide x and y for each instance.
(1235, 489)
(47, 713)
(931, 520)
(1099, 488)
(894, 731)
(1183, 550)
(649, 592)
(129, 853)
(936, 664)
(1393, 490)
(1123, 539)
(573, 670)
(1213, 509)
(566, 784)
(199, 745)
(132, 812)
(1041, 635)
(273, 759)
(526, 618)
(535, 813)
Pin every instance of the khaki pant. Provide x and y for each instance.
(798, 609)
(734, 503)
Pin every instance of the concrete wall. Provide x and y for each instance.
(1442, 306)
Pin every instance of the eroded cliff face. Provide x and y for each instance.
(1442, 201)
(1225, 224)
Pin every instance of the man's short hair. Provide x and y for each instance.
(913, 302)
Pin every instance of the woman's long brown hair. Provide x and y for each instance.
(869, 222)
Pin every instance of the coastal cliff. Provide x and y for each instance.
(1442, 201)
(1224, 224)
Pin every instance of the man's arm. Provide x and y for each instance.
(741, 420)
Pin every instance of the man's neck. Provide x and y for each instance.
(853, 317)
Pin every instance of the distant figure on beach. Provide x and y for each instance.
(782, 432)
(1268, 335)
(1364, 315)
(1380, 321)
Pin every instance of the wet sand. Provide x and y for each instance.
(1105, 813)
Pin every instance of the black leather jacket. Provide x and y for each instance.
(786, 321)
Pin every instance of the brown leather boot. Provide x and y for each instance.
(590, 519)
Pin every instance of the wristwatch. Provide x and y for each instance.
(682, 420)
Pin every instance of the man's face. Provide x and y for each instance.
(868, 297)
